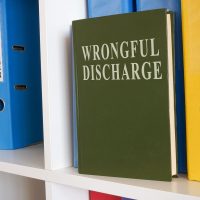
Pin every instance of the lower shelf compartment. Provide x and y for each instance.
(13, 187)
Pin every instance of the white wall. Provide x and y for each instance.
(14, 187)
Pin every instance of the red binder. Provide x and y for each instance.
(102, 196)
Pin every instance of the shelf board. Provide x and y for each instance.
(29, 162)
(179, 189)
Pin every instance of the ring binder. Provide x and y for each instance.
(1, 105)
(20, 76)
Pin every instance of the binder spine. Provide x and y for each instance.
(128, 6)
(98, 8)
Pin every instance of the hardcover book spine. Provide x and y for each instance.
(98, 8)
(174, 6)
(21, 116)
(191, 44)
(102, 196)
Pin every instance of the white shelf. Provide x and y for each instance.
(179, 189)
(32, 156)
(29, 162)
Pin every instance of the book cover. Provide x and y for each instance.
(98, 8)
(191, 47)
(174, 6)
(125, 95)
(101, 196)
(20, 79)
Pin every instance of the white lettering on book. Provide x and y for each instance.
(150, 67)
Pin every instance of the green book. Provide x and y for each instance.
(124, 71)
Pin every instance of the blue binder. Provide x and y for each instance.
(98, 8)
(20, 76)
(126, 199)
(174, 5)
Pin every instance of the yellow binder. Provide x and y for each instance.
(191, 49)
